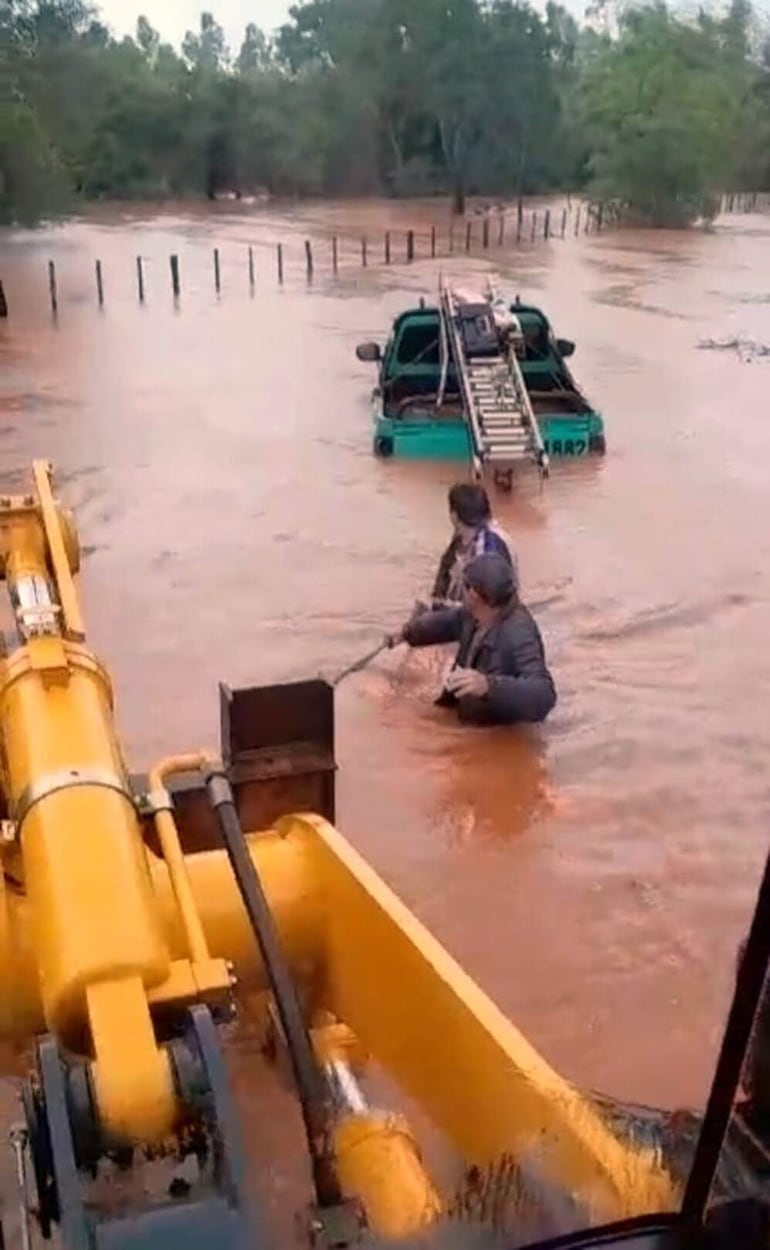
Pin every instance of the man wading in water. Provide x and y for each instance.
(499, 676)
(476, 533)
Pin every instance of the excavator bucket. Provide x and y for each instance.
(277, 745)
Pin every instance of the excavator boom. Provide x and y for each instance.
(134, 910)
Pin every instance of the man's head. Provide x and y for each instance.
(469, 508)
(489, 587)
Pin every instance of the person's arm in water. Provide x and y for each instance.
(507, 700)
(500, 698)
(429, 629)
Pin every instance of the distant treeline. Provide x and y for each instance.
(638, 108)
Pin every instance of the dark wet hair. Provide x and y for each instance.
(470, 502)
(491, 576)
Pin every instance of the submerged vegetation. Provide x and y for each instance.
(644, 108)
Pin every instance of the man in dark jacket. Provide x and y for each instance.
(499, 676)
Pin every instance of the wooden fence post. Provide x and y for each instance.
(99, 284)
(140, 278)
(174, 262)
(52, 287)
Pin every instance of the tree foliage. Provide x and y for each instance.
(653, 111)
(665, 107)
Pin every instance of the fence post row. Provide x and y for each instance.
(591, 216)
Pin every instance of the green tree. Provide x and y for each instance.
(372, 96)
(206, 52)
(520, 122)
(148, 40)
(255, 54)
(662, 113)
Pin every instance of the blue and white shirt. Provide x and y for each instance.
(490, 539)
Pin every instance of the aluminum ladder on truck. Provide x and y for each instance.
(504, 429)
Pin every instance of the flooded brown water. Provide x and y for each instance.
(595, 880)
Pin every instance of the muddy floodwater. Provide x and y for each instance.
(595, 878)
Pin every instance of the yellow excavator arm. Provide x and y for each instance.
(133, 910)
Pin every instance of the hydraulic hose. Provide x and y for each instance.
(309, 1081)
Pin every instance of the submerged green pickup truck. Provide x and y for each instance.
(408, 422)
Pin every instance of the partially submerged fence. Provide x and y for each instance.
(471, 235)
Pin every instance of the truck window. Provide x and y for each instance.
(418, 344)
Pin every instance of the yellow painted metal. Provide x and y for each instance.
(378, 1162)
(284, 869)
(449, 1046)
(63, 550)
(92, 912)
(168, 837)
(131, 1075)
(92, 917)
(364, 957)
(285, 872)
(378, 1159)
(21, 1009)
(107, 932)
(368, 961)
